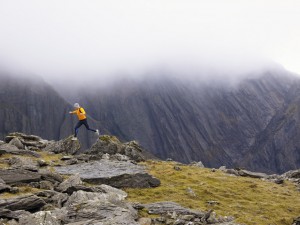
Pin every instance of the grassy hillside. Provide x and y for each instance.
(250, 201)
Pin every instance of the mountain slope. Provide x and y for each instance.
(215, 123)
(277, 148)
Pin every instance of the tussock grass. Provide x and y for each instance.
(250, 201)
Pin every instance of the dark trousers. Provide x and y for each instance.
(80, 123)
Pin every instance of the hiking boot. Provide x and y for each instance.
(74, 139)
(97, 132)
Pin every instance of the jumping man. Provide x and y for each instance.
(82, 120)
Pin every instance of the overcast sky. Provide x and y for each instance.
(63, 38)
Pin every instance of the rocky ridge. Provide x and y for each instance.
(42, 194)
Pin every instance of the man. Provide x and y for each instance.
(82, 120)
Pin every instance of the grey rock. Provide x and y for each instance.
(66, 157)
(40, 218)
(23, 163)
(51, 176)
(9, 214)
(71, 162)
(42, 163)
(296, 221)
(64, 146)
(16, 142)
(44, 184)
(292, 174)
(100, 188)
(222, 168)
(4, 188)
(198, 164)
(12, 222)
(106, 208)
(111, 145)
(165, 207)
(114, 173)
(28, 203)
(11, 149)
(19, 176)
(246, 173)
(144, 221)
(120, 157)
(71, 181)
(232, 171)
(54, 198)
(190, 192)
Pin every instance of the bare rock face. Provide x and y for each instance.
(114, 173)
(64, 146)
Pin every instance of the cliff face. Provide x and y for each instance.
(277, 147)
(28, 104)
(217, 124)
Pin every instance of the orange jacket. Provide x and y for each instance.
(80, 113)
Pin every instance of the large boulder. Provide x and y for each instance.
(16, 176)
(103, 208)
(114, 173)
(111, 145)
(66, 145)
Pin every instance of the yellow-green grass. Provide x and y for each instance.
(24, 190)
(250, 201)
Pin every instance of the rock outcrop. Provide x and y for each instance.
(114, 173)
(113, 147)
(64, 146)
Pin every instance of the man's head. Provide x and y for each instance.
(76, 105)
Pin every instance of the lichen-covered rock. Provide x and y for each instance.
(111, 145)
(40, 218)
(66, 145)
(107, 208)
(71, 181)
(23, 163)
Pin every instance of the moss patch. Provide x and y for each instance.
(250, 201)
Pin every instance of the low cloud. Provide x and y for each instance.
(100, 41)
